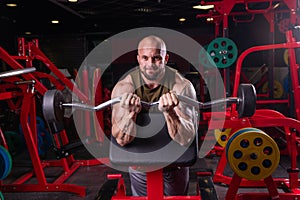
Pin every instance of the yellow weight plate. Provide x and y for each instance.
(222, 136)
(252, 154)
(277, 89)
(286, 57)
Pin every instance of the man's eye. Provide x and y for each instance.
(157, 58)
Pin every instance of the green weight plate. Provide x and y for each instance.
(5, 163)
(223, 52)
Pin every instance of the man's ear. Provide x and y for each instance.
(166, 58)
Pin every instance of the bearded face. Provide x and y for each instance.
(151, 63)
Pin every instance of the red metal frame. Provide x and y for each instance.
(28, 52)
(69, 165)
(222, 9)
(291, 44)
(154, 189)
(261, 119)
(264, 118)
(4, 55)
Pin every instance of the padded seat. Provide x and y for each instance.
(153, 146)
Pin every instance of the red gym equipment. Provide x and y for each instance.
(27, 90)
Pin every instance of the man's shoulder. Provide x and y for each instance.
(180, 79)
(124, 85)
(183, 85)
(127, 80)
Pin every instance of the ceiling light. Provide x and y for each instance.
(209, 19)
(54, 21)
(203, 7)
(145, 10)
(73, 1)
(11, 5)
(27, 33)
(276, 5)
(182, 19)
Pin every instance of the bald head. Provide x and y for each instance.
(153, 42)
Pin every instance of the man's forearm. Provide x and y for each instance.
(124, 130)
(180, 129)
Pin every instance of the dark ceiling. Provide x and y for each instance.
(101, 15)
(98, 15)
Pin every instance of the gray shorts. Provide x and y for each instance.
(176, 182)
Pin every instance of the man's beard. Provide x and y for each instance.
(151, 77)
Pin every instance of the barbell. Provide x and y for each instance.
(54, 105)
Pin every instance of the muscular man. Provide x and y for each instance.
(154, 81)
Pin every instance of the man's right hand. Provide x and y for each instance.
(131, 102)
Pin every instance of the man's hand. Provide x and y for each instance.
(168, 101)
(125, 112)
(131, 102)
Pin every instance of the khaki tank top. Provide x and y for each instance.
(152, 95)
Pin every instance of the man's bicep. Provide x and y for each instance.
(190, 92)
(121, 88)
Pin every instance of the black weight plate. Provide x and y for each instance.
(247, 94)
(52, 106)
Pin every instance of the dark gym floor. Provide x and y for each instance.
(93, 177)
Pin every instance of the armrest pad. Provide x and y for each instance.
(158, 149)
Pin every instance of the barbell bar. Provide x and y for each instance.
(16, 72)
(54, 105)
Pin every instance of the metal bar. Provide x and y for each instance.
(15, 65)
(189, 101)
(42, 57)
(16, 72)
(155, 185)
(254, 49)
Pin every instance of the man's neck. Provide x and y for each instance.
(153, 83)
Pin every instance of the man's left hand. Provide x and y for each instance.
(168, 101)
